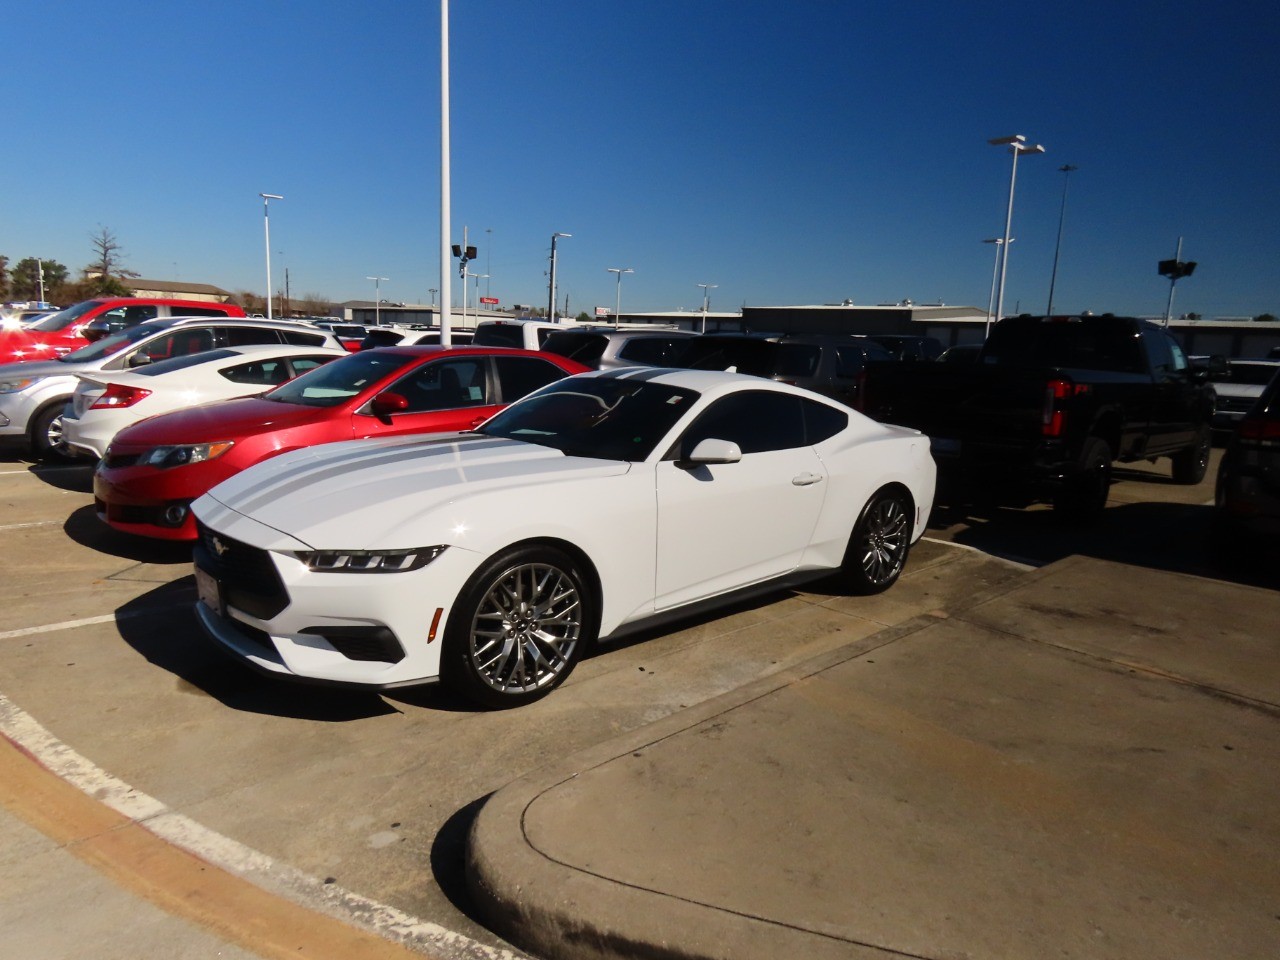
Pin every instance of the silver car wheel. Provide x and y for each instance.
(526, 629)
(882, 541)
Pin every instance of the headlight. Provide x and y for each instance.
(369, 561)
(187, 453)
(18, 383)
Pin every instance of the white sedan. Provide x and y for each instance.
(105, 402)
(596, 505)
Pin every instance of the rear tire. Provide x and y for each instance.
(1190, 465)
(1084, 496)
(879, 545)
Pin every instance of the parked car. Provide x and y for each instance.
(60, 333)
(610, 349)
(33, 394)
(154, 469)
(1247, 494)
(1238, 387)
(525, 334)
(18, 317)
(907, 347)
(105, 402)
(1049, 405)
(830, 364)
(394, 335)
(961, 353)
(599, 505)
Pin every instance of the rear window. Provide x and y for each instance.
(499, 335)
(1252, 374)
(1093, 343)
(586, 348)
(713, 353)
(652, 351)
(796, 360)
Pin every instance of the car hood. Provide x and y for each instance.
(40, 368)
(223, 420)
(362, 494)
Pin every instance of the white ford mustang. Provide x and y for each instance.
(596, 505)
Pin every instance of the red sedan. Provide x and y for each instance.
(155, 468)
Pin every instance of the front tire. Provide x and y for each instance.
(878, 548)
(46, 433)
(519, 627)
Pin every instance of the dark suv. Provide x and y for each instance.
(831, 364)
(1247, 497)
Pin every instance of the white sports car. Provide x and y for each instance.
(598, 504)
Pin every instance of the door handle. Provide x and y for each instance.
(804, 479)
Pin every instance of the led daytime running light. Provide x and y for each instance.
(369, 561)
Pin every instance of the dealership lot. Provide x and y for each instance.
(376, 792)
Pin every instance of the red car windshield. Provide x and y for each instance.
(63, 318)
(339, 381)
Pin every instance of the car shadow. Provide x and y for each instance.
(161, 626)
(84, 527)
(74, 476)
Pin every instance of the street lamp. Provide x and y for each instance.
(1066, 170)
(266, 228)
(551, 303)
(1017, 148)
(377, 299)
(479, 277)
(991, 300)
(706, 301)
(40, 267)
(617, 303)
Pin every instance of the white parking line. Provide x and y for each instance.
(33, 523)
(68, 624)
(21, 728)
(1022, 563)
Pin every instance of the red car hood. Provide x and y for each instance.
(25, 345)
(224, 420)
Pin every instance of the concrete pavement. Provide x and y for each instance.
(1082, 763)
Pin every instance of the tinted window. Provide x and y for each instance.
(499, 335)
(743, 354)
(796, 360)
(247, 336)
(337, 382)
(64, 318)
(586, 348)
(756, 420)
(182, 363)
(518, 376)
(196, 312)
(268, 373)
(178, 343)
(444, 385)
(111, 344)
(821, 422)
(302, 364)
(652, 351)
(1094, 343)
(300, 338)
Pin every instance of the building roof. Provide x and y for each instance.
(175, 287)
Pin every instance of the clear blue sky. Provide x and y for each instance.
(799, 152)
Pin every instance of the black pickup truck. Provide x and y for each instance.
(1047, 407)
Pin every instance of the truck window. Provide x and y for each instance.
(1092, 343)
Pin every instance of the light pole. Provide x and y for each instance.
(991, 300)
(40, 267)
(488, 261)
(706, 301)
(1062, 213)
(377, 299)
(479, 277)
(433, 291)
(617, 303)
(551, 302)
(1016, 145)
(266, 228)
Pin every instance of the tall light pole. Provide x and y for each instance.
(40, 267)
(446, 248)
(479, 277)
(706, 301)
(266, 228)
(617, 303)
(1017, 147)
(551, 302)
(1066, 170)
(995, 269)
(377, 299)
(488, 262)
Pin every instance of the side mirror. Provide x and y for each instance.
(139, 359)
(385, 404)
(710, 451)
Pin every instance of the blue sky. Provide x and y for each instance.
(804, 152)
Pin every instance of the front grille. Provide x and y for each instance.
(377, 644)
(120, 460)
(247, 574)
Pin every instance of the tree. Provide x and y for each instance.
(25, 281)
(1265, 318)
(105, 273)
(254, 304)
(4, 277)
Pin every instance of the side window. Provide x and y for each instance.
(1158, 347)
(248, 335)
(140, 312)
(821, 422)
(176, 311)
(756, 420)
(179, 343)
(300, 338)
(302, 364)
(1175, 351)
(267, 373)
(849, 361)
(444, 385)
(543, 333)
(652, 351)
(518, 376)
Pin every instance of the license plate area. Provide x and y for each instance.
(209, 590)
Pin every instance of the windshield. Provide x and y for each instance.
(109, 345)
(603, 418)
(339, 381)
(499, 335)
(64, 318)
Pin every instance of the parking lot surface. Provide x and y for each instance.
(360, 805)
